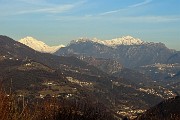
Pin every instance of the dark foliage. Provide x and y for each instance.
(166, 110)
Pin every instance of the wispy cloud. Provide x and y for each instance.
(149, 19)
(31, 1)
(39, 6)
(128, 7)
(56, 9)
(121, 20)
(140, 4)
(53, 8)
(110, 12)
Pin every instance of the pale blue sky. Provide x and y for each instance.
(60, 21)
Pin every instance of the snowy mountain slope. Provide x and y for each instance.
(126, 40)
(39, 45)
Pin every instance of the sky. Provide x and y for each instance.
(60, 21)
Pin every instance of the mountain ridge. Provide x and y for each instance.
(125, 40)
(131, 56)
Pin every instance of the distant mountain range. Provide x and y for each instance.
(127, 40)
(128, 51)
(39, 45)
(34, 74)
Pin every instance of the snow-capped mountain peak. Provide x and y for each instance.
(85, 39)
(126, 40)
(39, 45)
